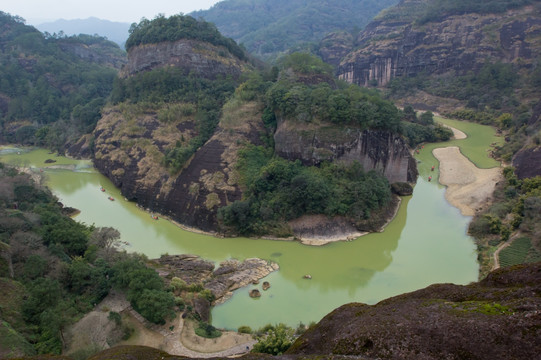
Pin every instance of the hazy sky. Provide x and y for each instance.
(38, 11)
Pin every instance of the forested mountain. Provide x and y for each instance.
(194, 127)
(52, 88)
(267, 28)
(114, 31)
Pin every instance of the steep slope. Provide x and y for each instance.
(162, 142)
(407, 41)
(269, 28)
(52, 87)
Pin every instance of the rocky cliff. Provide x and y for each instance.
(201, 58)
(129, 149)
(395, 44)
(377, 150)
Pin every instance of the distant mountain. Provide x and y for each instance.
(267, 28)
(114, 31)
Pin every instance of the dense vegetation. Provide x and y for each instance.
(49, 95)
(57, 269)
(516, 208)
(267, 29)
(419, 129)
(178, 27)
(278, 190)
(438, 9)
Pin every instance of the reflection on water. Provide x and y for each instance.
(426, 243)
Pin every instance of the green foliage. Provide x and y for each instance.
(275, 339)
(305, 63)
(201, 98)
(438, 9)
(244, 329)
(114, 316)
(349, 106)
(271, 30)
(155, 305)
(519, 252)
(207, 331)
(145, 289)
(179, 27)
(46, 82)
(208, 295)
(417, 133)
(278, 190)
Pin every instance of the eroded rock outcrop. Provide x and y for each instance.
(229, 276)
(129, 148)
(198, 57)
(377, 150)
(394, 46)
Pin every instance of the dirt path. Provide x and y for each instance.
(468, 187)
(499, 249)
(96, 329)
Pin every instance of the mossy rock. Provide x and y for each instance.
(402, 188)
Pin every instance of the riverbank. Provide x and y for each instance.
(469, 188)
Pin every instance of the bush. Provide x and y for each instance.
(244, 329)
(207, 331)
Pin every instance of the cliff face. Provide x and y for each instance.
(201, 58)
(395, 46)
(101, 53)
(373, 149)
(129, 150)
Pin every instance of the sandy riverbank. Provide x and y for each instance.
(468, 187)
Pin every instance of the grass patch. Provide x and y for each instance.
(482, 307)
(519, 252)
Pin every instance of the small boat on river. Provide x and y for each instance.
(111, 198)
(102, 189)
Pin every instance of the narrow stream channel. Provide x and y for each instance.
(426, 243)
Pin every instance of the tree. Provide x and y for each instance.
(155, 305)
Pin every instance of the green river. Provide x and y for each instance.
(425, 244)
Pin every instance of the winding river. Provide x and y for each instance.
(426, 243)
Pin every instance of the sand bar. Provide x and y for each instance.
(468, 187)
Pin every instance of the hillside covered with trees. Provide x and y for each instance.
(52, 88)
(267, 29)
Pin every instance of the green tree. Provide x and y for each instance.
(155, 305)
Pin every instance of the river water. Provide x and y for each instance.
(425, 244)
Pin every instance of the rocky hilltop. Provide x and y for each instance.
(202, 58)
(400, 42)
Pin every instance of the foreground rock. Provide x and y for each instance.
(497, 318)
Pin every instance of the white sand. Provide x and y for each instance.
(468, 187)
